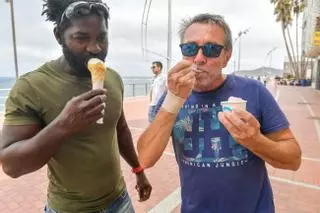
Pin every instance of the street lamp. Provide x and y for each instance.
(144, 25)
(13, 37)
(270, 53)
(239, 37)
(169, 36)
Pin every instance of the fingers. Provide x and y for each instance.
(95, 111)
(144, 193)
(246, 117)
(224, 118)
(242, 125)
(177, 77)
(182, 78)
(95, 101)
(91, 104)
(92, 93)
(93, 118)
(179, 70)
(235, 121)
(187, 79)
(180, 66)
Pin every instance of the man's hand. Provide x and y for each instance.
(242, 126)
(82, 110)
(280, 149)
(143, 186)
(181, 79)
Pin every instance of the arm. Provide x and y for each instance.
(128, 152)
(150, 94)
(280, 149)
(154, 139)
(125, 142)
(27, 148)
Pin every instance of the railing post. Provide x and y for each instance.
(146, 87)
(133, 89)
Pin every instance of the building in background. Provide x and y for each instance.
(311, 38)
(288, 71)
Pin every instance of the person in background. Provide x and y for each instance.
(51, 114)
(221, 155)
(265, 80)
(158, 87)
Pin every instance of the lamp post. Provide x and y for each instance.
(234, 58)
(270, 54)
(144, 25)
(13, 37)
(239, 38)
(169, 38)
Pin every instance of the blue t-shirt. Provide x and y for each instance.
(217, 174)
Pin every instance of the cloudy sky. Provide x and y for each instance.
(36, 43)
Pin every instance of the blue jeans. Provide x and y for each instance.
(152, 113)
(121, 205)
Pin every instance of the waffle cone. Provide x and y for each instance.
(97, 70)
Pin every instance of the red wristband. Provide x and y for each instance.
(137, 170)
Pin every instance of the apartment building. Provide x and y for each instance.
(311, 38)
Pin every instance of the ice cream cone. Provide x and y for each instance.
(97, 70)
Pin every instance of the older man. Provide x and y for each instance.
(221, 155)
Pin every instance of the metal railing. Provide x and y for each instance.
(136, 89)
(2, 100)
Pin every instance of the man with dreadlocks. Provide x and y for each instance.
(51, 116)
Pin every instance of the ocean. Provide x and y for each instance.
(133, 86)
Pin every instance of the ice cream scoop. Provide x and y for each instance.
(233, 102)
(235, 99)
(97, 70)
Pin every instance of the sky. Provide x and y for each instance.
(36, 43)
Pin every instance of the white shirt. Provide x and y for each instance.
(158, 87)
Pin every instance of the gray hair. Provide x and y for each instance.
(207, 18)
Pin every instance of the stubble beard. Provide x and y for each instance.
(78, 62)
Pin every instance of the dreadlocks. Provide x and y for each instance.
(53, 10)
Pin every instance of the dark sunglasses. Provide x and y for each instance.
(83, 8)
(209, 50)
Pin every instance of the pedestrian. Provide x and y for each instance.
(158, 87)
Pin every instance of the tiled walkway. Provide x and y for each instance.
(295, 192)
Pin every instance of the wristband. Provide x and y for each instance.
(172, 103)
(137, 170)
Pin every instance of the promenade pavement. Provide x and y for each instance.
(294, 192)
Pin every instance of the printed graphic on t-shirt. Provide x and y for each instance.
(202, 141)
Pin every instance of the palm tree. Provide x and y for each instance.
(284, 11)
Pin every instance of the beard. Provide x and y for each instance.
(78, 61)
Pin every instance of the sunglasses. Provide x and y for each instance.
(209, 50)
(153, 67)
(83, 8)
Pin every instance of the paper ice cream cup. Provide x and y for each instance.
(97, 70)
(230, 105)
